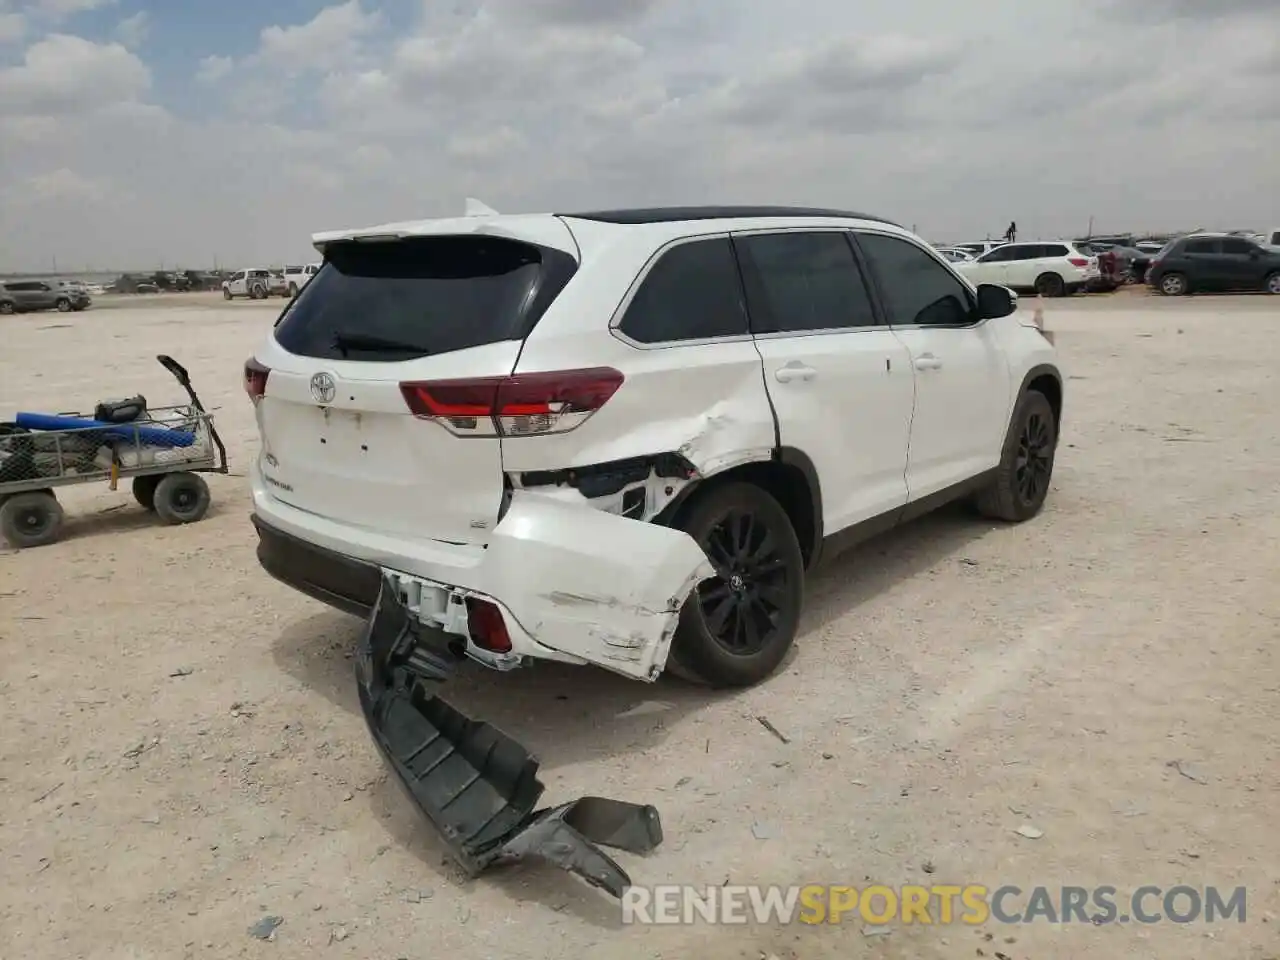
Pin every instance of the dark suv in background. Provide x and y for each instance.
(23, 296)
(1214, 262)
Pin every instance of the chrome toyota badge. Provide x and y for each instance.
(323, 388)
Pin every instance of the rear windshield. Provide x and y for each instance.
(383, 301)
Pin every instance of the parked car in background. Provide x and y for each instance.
(256, 284)
(1051, 268)
(1204, 262)
(131, 283)
(956, 255)
(196, 280)
(296, 277)
(26, 296)
(979, 248)
(1272, 238)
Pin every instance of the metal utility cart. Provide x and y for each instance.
(163, 450)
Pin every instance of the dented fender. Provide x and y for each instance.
(593, 585)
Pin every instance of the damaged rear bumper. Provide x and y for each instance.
(477, 786)
(572, 583)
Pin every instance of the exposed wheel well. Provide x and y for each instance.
(1048, 385)
(785, 482)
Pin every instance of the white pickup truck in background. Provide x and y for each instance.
(296, 277)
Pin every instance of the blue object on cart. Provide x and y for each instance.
(151, 436)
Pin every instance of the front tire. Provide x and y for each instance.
(736, 628)
(144, 490)
(226, 293)
(30, 519)
(1051, 285)
(181, 498)
(1174, 285)
(1022, 479)
(1272, 283)
(64, 305)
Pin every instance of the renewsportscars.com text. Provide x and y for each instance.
(971, 904)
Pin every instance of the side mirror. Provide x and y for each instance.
(995, 301)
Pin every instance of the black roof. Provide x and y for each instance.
(675, 214)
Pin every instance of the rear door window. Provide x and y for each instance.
(803, 281)
(1201, 246)
(916, 288)
(1238, 248)
(1053, 250)
(396, 300)
(692, 292)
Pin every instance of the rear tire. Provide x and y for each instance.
(1026, 464)
(6, 308)
(31, 519)
(736, 628)
(1174, 285)
(144, 490)
(293, 290)
(64, 305)
(1051, 285)
(181, 498)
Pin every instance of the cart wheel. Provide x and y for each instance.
(181, 498)
(31, 519)
(144, 490)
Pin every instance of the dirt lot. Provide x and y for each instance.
(953, 682)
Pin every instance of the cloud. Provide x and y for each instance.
(919, 110)
(13, 27)
(66, 75)
(132, 30)
(1164, 10)
(333, 35)
(58, 185)
(59, 10)
(213, 68)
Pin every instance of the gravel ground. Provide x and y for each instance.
(181, 750)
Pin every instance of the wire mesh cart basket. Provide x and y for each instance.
(162, 450)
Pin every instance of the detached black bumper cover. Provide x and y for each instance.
(476, 785)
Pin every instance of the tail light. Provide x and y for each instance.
(1078, 261)
(521, 405)
(255, 379)
(487, 628)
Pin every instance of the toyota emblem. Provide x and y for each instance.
(323, 388)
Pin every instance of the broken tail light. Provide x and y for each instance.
(521, 405)
(255, 379)
(487, 627)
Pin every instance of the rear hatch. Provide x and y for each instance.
(346, 434)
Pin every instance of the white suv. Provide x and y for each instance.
(623, 438)
(1052, 269)
(256, 284)
(297, 277)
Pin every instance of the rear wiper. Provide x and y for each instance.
(345, 341)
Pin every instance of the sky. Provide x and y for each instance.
(135, 133)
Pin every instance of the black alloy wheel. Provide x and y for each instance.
(742, 606)
(1035, 458)
(737, 626)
